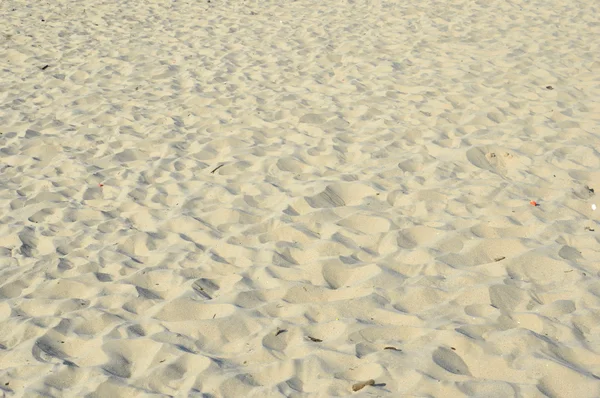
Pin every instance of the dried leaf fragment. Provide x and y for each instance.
(362, 384)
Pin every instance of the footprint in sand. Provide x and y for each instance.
(450, 361)
(495, 159)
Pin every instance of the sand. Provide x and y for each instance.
(295, 198)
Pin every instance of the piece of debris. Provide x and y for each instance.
(392, 348)
(589, 229)
(44, 67)
(314, 339)
(362, 384)
(549, 88)
(279, 331)
(499, 258)
(217, 168)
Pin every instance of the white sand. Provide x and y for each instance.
(377, 164)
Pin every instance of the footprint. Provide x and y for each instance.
(450, 361)
(366, 223)
(205, 288)
(47, 350)
(313, 118)
(508, 298)
(338, 195)
(570, 253)
(337, 274)
(489, 388)
(537, 266)
(326, 199)
(182, 309)
(118, 366)
(292, 165)
(495, 159)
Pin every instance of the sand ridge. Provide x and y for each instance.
(290, 198)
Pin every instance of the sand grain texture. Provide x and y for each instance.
(286, 198)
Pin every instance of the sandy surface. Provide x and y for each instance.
(286, 198)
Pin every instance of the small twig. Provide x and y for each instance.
(217, 168)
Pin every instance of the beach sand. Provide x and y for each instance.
(289, 198)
